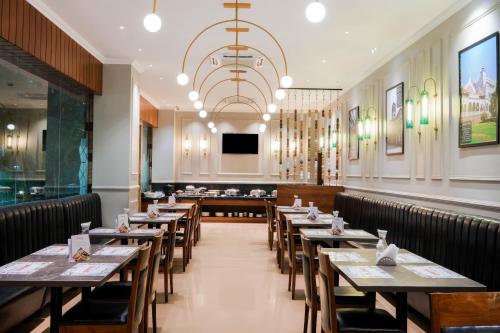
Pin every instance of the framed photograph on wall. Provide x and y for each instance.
(353, 153)
(478, 79)
(394, 116)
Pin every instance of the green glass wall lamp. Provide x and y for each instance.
(425, 103)
(367, 126)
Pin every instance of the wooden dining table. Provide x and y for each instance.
(326, 236)
(164, 218)
(51, 268)
(411, 274)
(111, 233)
(292, 210)
(177, 207)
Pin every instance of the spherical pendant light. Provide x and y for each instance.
(211, 124)
(315, 12)
(182, 79)
(198, 105)
(214, 130)
(11, 127)
(262, 128)
(271, 108)
(202, 114)
(152, 22)
(286, 81)
(280, 94)
(266, 117)
(193, 96)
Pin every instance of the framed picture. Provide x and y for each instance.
(353, 134)
(394, 116)
(478, 79)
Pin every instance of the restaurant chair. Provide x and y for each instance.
(271, 224)
(168, 258)
(197, 229)
(116, 290)
(114, 315)
(469, 312)
(345, 296)
(294, 247)
(349, 320)
(182, 237)
(281, 244)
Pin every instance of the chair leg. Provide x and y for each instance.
(153, 309)
(269, 239)
(289, 279)
(171, 282)
(294, 278)
(143, 327)
(314, 319)
(272, 239)
(184, 258)
(165, 281)
(282, 260)
(306, 318)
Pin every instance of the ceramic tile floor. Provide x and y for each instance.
(232, 284)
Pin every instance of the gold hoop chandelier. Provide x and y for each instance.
(283, 81)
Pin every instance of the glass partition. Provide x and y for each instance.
(43, 138)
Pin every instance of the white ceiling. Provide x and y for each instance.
(319, 55)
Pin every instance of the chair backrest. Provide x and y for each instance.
(291, 242)
(327, 294)
(452, 312)
(311, 290)
(154, 265)
(280, 231)
(139, 286)
(269, 214)
(172, 229)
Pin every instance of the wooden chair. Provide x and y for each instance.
(197, 229)
(294, 247)
(281, 244)
(113, 316)
(350, 320)
(116, 290)
(465, 312)
(271, 224)
(345, 296)
(168, 258)
(183, 238)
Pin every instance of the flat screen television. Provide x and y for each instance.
(233, 143)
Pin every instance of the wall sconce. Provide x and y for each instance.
(367, 126)
(9, 141)
(187, 146)
(424, 100)
(275, 147)
(334, 139)
(410, 108)
(204, 146)
(321, 142)
(360, 130)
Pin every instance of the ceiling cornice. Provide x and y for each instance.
(63, 25)
(450, 11)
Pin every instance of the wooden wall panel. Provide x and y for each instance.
(322, 196)
(149, 114)
(26, 28)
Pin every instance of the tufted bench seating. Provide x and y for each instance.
(28, 227)
(468, 245)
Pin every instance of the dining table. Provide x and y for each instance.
(292, 210)
(163, 218)
(134, 233)
(51, 268)
(412, 273)
(176, 207)
(326, 236)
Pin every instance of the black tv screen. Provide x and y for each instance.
(240, 143)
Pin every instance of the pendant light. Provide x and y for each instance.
(152, 22)
(271, 108)
(262, 128)
(315, 12)
(211, 124)
(202, 114)
(214, 130)
(198, 105)
(193, 96)
(286, 81)
(280, 94)
(182, 79)
(266, 117)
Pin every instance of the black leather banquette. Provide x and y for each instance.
(28, 227)
(469, 245)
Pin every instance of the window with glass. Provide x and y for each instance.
(44, 138)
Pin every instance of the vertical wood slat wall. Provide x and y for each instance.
(22, 25)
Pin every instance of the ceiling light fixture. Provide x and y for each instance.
(280, 94)
(286, 81)
(122, 27)
(193, 95)
(152, 22)
(140, 50)
(214, 130)
(315, 12)
(271, 108)
(182, 79)
(266, 117)
(262, 128)
(198, 105)
(211, 124)
(202, 114)
(11, 127)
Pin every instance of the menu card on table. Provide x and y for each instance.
(90, 269)
(365, 272)
(346, 256)
(115, 251)
(53, 250)
(122, 220)
(23, 268)
(433, 272)
(79, 242)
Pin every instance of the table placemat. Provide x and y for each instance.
(53, 250)
(411, 258)
(23, 268)
(346, 256)
(90, 269)
(433, 272)
(365, 272)
(121, 251)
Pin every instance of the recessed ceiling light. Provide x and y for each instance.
(308, 80)
(140, 50)
(323, 61)
(161, 78)
(122, 27)
(347, 32)
(150, 65)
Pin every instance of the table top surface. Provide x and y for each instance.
(291, 210)
(293, 216)
(142, 218)
(132, 234)
(176, 206)
(56, 270)
(412, 273)
(327, 235)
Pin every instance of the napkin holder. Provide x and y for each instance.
(171, 200)
(297, 202)
(313, 213)
(337, 226)
(153, 211)
(388, 256)
(386, 261)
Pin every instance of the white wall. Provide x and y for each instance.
(433, 170)
(116, 135)
(163, 148)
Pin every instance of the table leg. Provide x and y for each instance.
(55, 308)
(124, 241)
(336, 275)
(402, 310)
(85, 294)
